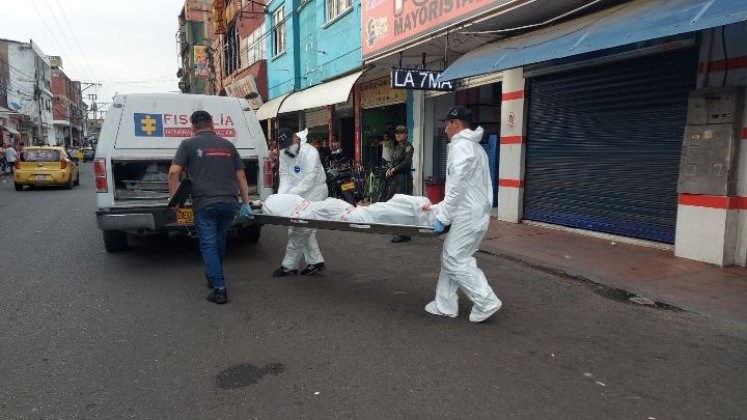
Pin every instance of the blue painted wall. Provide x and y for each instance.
(316, 50)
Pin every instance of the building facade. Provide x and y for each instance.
(26, 92)
(68, 109)
(602, 114)
(313, 62)
(194, 39)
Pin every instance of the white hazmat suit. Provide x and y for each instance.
(466, 207)
(302, 175)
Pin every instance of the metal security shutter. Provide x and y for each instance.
(603, 146)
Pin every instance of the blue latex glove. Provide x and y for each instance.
(438, 227)
(245, 212)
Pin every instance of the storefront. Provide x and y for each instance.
(482, 97)
(382, 109)
(603, 145)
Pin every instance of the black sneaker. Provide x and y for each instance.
(218, 296)
(312, 269)
(284, 272)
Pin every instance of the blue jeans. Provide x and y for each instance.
(212, 223)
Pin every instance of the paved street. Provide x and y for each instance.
(86, 334)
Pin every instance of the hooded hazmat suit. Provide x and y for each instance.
(466, 207)
(302, 175)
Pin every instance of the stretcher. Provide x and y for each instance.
(383, 229)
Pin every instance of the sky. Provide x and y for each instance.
(128, 46)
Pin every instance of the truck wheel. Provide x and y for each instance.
(19, 187)
(250, 235)
(115, 240)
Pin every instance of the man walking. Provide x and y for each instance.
(401, 171)
(301, 173)
(217, 173)
(10, 157)
(466, 207)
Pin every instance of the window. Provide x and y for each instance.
(278, 31)
(255, 46)
(336, 7)
(231, 51)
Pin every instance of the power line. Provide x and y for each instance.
(46, 26)
(73, 53)
(75, 38)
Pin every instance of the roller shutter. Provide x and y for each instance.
(604, 144)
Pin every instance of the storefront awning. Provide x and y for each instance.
(270, 108)
(329, 93)
(625, 24)
(11, 130)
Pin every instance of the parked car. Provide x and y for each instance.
(45, 166)
(88, 153)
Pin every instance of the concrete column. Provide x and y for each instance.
(513, 147)
(713, 229)
(416, 129)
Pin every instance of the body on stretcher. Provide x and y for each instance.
(402, 215)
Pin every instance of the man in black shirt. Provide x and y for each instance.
(217, 173)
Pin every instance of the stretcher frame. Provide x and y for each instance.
(379, 228)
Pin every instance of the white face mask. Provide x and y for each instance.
(292, 150)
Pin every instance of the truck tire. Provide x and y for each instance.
(250, 234)
(115, 240)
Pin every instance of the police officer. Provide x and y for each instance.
(401, 171)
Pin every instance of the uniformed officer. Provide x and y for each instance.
(401, 171)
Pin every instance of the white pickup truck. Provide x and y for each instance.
(138, 140)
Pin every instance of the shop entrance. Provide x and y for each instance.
(375, 122)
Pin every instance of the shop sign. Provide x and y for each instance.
(244, 86)
(201, 62)
(379, 93)
(419, 80)
(390, 24)
(219, 16)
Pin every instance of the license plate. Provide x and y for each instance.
(41, 177)
(185, 216)
(347, 186)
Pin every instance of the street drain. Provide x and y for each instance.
(608, 292)
(239, 376)
(620, 295)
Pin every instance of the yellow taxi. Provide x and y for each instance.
(45, 166)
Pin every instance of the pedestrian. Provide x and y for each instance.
(386, 148)
(11, 155)
(301, 173)
(217, 174)
(466, 208)
(3, 162)
(401, 170)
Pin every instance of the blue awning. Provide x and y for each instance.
(625, 24)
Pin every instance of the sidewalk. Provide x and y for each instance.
(652, 273)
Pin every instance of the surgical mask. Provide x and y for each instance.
(292, 150)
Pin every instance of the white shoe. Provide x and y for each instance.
(431, 308)
(478, 316)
